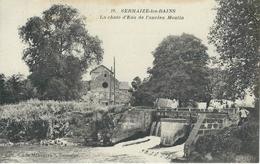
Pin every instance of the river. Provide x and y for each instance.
(132, 151)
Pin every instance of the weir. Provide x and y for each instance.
(173, 126)
(172, 130)
(188, 125)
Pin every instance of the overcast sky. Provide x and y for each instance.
(131, 42)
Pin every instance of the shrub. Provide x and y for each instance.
(228, 143)
(216, 143)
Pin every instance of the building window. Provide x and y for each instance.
(105, 75)
(105, 85)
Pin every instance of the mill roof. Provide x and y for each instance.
(102, 67)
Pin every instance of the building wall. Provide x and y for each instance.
(102, 88)
(101, 76)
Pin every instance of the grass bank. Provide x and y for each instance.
(37, 120)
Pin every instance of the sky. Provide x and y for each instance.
(131, 42)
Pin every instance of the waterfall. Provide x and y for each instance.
(155, 128)
(158, 127)
(152, 128)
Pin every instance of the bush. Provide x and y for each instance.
(230, 142)
(26, 131)
(217, 143)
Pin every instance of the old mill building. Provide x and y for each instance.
(105, 89)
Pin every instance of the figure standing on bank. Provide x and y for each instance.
(243, 116)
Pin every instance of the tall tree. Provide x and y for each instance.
(179, 69)
(235, 33)
(59, 50)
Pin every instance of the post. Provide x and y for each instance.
(110, 86)
(114, 81)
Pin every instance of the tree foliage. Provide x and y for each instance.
(217, 87)
(59, 50)
(136, 82)
(179, 69)
(14, 85)
(142, 94)
(235, 33)
(15, 88)
(2, 88)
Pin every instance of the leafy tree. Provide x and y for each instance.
(59, 50)
(217, 87)
(136, 82)
(142, 95)
(2, 88)
(28, 90)
(235, 33)
(179, 69)
(14, 89)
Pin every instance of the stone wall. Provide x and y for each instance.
(131, 123)
(213, 122)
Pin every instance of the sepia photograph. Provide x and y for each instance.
(128, 81)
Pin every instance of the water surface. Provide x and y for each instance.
(117, 153)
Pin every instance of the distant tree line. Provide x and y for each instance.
(15, 88)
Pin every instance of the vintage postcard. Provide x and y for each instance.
(126, 81)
